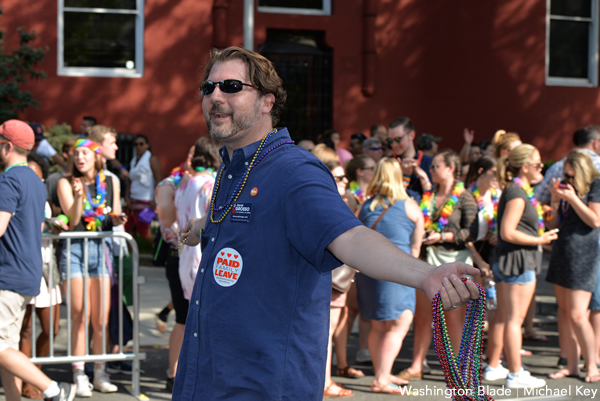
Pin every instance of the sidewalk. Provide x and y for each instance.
(155, 295)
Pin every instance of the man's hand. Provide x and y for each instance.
(408, 166)
(469, 136)
(445, 279)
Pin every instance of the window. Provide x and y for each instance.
(572, 43)
(101, 38)
(305, 7)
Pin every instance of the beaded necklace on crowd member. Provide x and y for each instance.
(94, 211)
(16, 165)
(490, 218)
(429, 211)
(463, 375)
(240, 186)
(538, 207)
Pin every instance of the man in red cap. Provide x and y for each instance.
(21, 218)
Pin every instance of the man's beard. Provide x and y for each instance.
(239, 122)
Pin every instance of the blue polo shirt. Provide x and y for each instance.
(22, 194)
(257, 326)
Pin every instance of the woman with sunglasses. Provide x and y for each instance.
(576, 212)
(389, 306)
(338, 311)
(145, 172)
(482, 181)
(359, 172)
(91, 201)
(450, 214)
(518, 254)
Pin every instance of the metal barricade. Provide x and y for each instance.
(136, 356)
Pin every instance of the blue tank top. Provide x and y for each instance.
(394, 225)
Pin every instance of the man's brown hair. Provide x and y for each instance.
(261, 72)
(97, 132)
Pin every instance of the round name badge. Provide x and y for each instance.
(227, 268)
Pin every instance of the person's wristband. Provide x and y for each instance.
(123, 167)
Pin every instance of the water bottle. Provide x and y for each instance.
(490, 292)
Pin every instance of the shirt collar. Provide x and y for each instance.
(247, 152)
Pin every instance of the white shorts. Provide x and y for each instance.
(12, 310)
(46, 299)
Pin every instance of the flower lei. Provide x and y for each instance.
(428, 206)
(491, 220)
(357, 191)
(175, 176)
(463, 374)
(208, 170)
(538, 207)
(94, 211)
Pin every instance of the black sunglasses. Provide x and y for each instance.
(397, 139)
(339, 178)
(568, 177)
(226, 86)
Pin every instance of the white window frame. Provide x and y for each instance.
(592, 80)
(136, 72)
(326, 10)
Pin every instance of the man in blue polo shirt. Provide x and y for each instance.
(257, 324)
(22, 200)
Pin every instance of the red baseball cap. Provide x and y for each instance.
(19, 133)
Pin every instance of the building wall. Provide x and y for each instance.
(446, 65)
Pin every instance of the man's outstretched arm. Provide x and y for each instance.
(374, 255)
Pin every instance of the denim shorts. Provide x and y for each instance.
(95, 249)
(595, 301)
(527, 277)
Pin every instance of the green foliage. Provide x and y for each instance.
(57, 134)
(16, 67)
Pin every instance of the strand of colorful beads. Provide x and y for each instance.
(463, 375)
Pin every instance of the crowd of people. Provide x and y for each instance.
(488, 206)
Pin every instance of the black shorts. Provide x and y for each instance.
(180, 304)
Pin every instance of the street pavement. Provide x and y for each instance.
(154, 295)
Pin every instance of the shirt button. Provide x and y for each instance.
(201, 270)
(197, 302)
(230, 176)
(246, 163)
(212, 239)
(195, 334)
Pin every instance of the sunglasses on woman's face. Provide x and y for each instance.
(339, 178)
(538, 166)
(568, 177)
(226, 86)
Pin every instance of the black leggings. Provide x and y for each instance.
(180, 304)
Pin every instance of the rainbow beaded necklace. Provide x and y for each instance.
(490, 218)
(538, 207)
(428, 207)
(463, 375)
(94, 211)
(240, 186)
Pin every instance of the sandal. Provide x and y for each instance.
(562, 373)
(408, 375)
(341, 393)
(31, 392)
(350, 372)
(389, 388)
(535, 337)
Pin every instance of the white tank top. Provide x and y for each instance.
(142, 179)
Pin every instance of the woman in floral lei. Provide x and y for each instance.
(90, 200)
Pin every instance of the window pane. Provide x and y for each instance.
(312, 4)
(569, 49)
(122, 4)
(99, 40)
(571, 8)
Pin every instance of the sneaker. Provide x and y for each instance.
(67, 392)
(523, 379)
(102, 382)
(84, 387)
(118, 367)
(363, 356)
(497, 373)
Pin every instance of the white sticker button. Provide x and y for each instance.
(227, 267)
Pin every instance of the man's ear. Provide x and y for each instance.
(268, 102)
